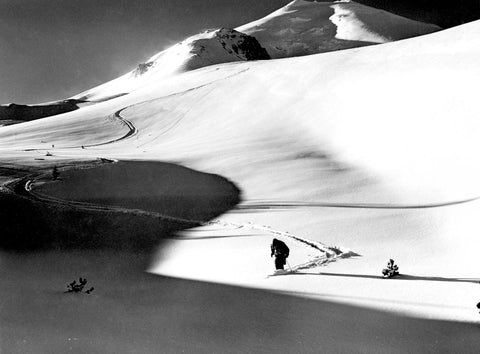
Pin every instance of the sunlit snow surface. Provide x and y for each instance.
(352, 149)
(304, 27)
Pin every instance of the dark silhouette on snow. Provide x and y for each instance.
(75, 287)
(55, 173)
(21, 112)
(391, 270)
(280, 251)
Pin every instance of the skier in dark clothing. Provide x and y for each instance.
(281, 252)
(55, 173)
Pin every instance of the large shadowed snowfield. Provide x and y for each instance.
(133, 311)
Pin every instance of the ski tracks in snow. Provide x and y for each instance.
(327, 254)
(132, 129)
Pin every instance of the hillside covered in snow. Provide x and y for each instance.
(231, 138)
(300, 28)
(309, 27)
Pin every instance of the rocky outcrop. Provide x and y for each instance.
(220, 46)
(242, 45)
(142, 68)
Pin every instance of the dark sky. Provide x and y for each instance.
(53, 49)
(445, 13)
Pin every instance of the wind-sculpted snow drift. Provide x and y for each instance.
(329, 137)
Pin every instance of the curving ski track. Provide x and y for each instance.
(132, 129)
(23, 187)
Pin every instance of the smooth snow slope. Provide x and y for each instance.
(391, 126)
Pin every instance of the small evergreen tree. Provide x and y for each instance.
(75, 287)
(391, 270)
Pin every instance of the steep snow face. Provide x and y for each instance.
(308, 27)
(208, 48)
(356, 22)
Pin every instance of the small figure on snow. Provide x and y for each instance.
(55, 173)
(281, 252)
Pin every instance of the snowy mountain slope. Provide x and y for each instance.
(208, 48)
(392, 127)
(327, 120)
(356, 22)
(309, 27)
(300, 28)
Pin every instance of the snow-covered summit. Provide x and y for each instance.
(211, 47)
(300, 28)
(224, 46)
(208, 48)
(308, 27)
